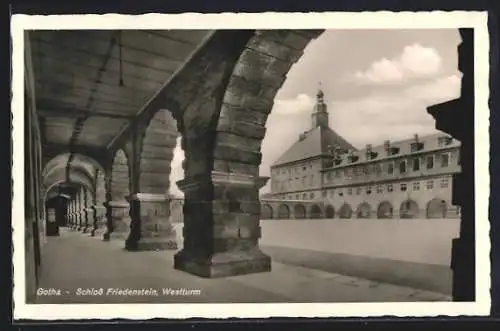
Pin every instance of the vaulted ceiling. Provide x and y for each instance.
(90, 85)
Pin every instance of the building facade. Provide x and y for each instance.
(410, 178)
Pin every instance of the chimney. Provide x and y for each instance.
(387, 144)
(415, 137)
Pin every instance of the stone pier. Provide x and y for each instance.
(151, 228)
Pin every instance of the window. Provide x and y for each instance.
(332, 193)
(369, 190)
(389, 188)
(390, 168)
(430, 161)
(304, 196)
(444, 182)
(304, 180)
(380, 189)
(416, 186)
(445, 158)
(304, 168)
(358, 190)
(349, 191)
(403, 187)
(341, 194)
(324, 194)
(402, 167)
(429, 185)
(297, 196)
(311, 195)
(416, 164)
(337, 173)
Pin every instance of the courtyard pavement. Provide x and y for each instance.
(74, 261)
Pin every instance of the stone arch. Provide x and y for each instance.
(75, 176)
(315, 212)
(299, 211)
(283, 212)
(345, 211)
(364, 210)
(329, 211)
(436, 208)
(408, 209)
(385, 210)
(157, 150)
(85, 162)
(256, 77)
(120, 177)
(266, 212)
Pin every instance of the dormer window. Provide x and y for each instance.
(353, 157)
(416, 145)
(370, 155)
(444, 141)
(390, 150)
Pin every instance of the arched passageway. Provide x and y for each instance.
(283, 212)
(345, 211)
(364, 210)
(436, 208)
(315, 212)
(150, 204)
(329, 211)
(385, 210)
(266, 212)
(408, 209)
(299, 211)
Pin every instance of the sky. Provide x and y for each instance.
(377, 85)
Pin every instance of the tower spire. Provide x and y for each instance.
(320, 112)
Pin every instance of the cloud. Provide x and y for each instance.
(395, 115)
(415, 61)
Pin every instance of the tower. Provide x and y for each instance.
(320, 113)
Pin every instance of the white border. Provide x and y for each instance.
(341, 20)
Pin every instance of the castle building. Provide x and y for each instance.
(410, 178)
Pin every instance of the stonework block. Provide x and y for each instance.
(236, 167)
(276, 50)
(234, 154)
(258, 103)
(237, 141)
(223, 264)
(229, 114)
(291, 38)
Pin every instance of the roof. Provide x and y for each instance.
(429, 142)
(315, 143)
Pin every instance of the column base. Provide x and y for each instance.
(115, 235)
(223, 264)
(152, 244)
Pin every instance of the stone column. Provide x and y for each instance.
(99, 222)
(118, 220)
(151, 228)
(68, 215)
(86, 211)
(74, 214)
(79, 211)
(221, 226)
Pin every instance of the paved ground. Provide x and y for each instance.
(73, 260)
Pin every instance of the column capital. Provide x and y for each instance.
(221, 178)
(149, 197)
(118, 204)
